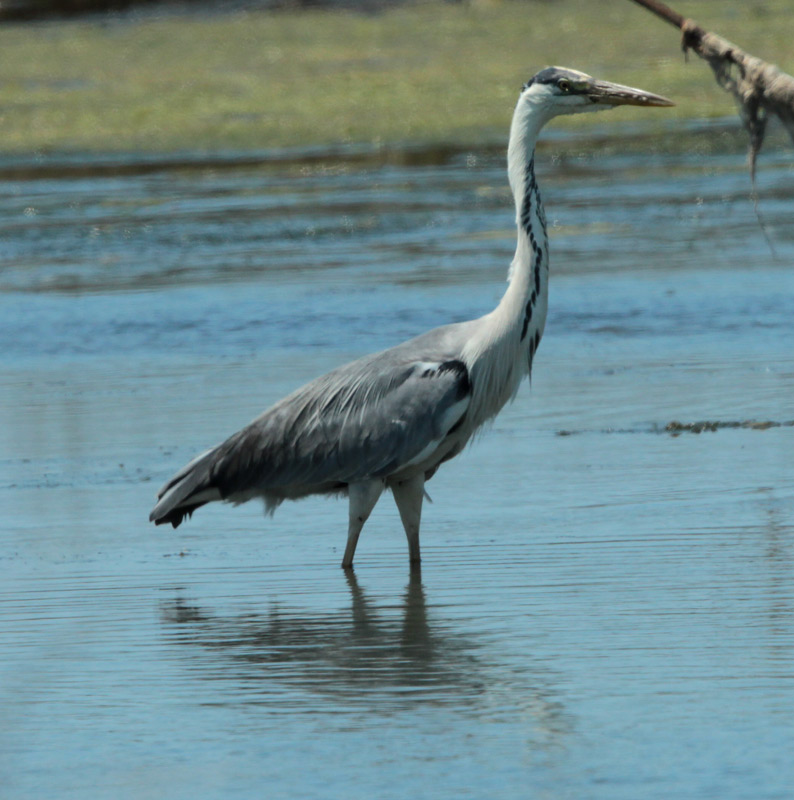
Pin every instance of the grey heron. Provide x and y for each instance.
(389, 420)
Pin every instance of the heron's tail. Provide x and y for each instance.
(190, 488)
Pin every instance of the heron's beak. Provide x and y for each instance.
(613, 94)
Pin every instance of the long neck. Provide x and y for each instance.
(526, 300)
(502, 354)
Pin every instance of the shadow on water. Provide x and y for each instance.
(713, 137)
(364, 657)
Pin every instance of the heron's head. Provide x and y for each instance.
(557, 90)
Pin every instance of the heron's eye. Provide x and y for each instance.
(564, 85)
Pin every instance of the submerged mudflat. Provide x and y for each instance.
(605, 607)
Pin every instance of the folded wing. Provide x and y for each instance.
(368, 419)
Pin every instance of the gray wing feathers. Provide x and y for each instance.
(343, 427)
(186, 491)
(362, 420)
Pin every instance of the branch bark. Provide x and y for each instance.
(759, 88)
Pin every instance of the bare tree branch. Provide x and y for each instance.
(759, 88)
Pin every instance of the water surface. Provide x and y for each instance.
(605, 606)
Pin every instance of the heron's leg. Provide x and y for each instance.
(363, 497)
(408, 495)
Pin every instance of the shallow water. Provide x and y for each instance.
(605, 607)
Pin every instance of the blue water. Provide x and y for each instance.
(605, 608)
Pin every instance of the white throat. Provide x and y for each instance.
(503, 356)
(526, 298)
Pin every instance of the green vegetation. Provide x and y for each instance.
(428, 73)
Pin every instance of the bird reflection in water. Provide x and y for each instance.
(366, 656)
(357, 654)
